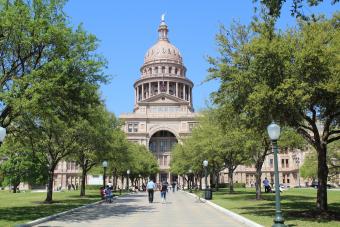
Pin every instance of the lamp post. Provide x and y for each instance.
(127, 180)
(104, 176)
(2, 134)
(205, 164)
(274, 134)
(297, 161)
(190, 180)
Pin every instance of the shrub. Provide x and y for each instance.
(236, 185)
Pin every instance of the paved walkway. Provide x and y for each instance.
(180, 210)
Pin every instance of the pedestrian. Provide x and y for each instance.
(164, 189)
(173, 186)
(150, 187)
(69, 187)
(108, 194)
(266, 185)
(74, 188)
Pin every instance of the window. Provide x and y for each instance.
(152, 146)
(287, 165)
(271, 163)
(282, 163)
(170, 70)
(133, 127)
(130, 127)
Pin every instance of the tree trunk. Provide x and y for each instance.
(49, 186)
(83, 179)
(321, 202)
(217, 181)
(258, 174)
(200, 182)
(231, 180)
(15, 186)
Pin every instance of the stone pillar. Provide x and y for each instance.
(184, 90)
(159, 88)
(149, 89)
(177, 89)
(167, 87)
(135, 96)
(142, 91)
(189, 94)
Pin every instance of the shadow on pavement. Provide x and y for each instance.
(120, 207)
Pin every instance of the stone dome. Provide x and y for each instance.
(162, 51)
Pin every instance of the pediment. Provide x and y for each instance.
(163, 98)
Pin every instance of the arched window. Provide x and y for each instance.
(170, 70)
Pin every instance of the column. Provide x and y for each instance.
(184, 92)
(135, 96)
(142, 91)
(176, 89)
(149, 89)
(167, 89)
(189, 94)
(159, 90)
(138, 92)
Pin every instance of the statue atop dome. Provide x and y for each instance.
(162, 17)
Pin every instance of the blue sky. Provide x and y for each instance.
(126, 29)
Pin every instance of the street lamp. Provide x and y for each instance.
(205, 164)
(2, 134)
(104, 176)
(190, 180)
(274, 134)
(297, 161)
(127, 181)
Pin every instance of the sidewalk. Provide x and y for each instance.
(180, 210)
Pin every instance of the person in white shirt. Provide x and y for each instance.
(150, 187)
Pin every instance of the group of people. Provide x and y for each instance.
(106, 193)
(151, 187)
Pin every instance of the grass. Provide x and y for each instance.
(297, 205)
(23, 207)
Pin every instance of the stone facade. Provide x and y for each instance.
(163, 111)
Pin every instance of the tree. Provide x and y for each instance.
(20, 165)
(51, 75)
(223, 145)
(94, 140)
(309, 168)
(274, 7)
(289, 76)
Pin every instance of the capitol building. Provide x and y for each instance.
(163, 111)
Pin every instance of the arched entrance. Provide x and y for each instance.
(160, 145)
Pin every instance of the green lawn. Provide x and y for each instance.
(23, 207)
(297, 206)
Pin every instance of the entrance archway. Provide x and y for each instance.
(160, 145)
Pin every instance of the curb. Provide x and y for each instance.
(231, 214)
(51, 217)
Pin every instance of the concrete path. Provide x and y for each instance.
(180, 210)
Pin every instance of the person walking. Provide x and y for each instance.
(173, 186)
(266, 185)
(150, 187)
(164, 190)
